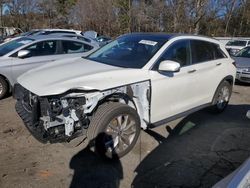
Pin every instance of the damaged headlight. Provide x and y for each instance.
(56, 106)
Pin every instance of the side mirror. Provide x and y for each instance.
(23, 53)
(169, 66)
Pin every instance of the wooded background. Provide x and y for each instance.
(115, 17)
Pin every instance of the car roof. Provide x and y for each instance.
(169, 36)
(38, 38)
(165, 36)
(52, 37)
(149, 35)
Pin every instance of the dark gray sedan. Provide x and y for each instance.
(242, 60)
(24, 53)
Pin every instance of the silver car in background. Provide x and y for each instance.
(25, 53)
(242, 61)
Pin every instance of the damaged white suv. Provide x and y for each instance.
(140, 80)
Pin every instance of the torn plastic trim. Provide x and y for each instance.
(139, 94)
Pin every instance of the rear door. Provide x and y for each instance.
(208, 62)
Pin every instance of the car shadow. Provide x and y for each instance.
(94, 171)
(201, 150)
(241, 83)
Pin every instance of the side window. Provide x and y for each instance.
(201, 51)
(70, 47)
(248, 43)
(179, 52)
(42, 48)
(218, 53)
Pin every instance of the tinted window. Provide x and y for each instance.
(218, 53)
(79, 38)
(245, 52)
(205, 51)
(14, 44)
(42, 48)
(201, 51)
(70, 47)
(237, 43)
(179, 52)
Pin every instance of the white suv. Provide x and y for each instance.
(138, 81)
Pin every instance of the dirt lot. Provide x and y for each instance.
(202, 149)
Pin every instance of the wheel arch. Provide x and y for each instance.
(136, 95)
(8, 82)
(229, 79)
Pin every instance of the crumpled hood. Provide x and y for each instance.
(242, 62)
(78, 73)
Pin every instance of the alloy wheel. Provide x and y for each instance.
(223, 97)
(120, 133)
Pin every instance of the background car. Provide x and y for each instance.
(240, 178)
(35, 32)
(78, 37)
(234, 46)
(103, 40)
(24, 53)
(242, 61)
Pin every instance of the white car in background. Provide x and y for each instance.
(140, 80)
(234, 46)
(24, 53)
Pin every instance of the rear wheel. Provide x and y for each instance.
(3, 87)
(114, 130)
(221, 97)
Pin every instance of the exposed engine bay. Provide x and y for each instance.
(62, 118)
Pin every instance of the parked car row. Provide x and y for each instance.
(140, 80)
(234, 46)
(239, 49)
(40, 46)
(24, 53)
(242, 60)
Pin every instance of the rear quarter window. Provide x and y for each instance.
(70, 47)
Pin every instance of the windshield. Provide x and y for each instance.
(237, 43)
(245, 52)
(13, 44)
(130, 51)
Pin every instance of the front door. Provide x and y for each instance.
(171, 92)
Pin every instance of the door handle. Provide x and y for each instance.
(192, 70)
(218, 64)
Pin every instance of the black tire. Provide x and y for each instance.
(221, 99)
(104, 126)
(3, 87)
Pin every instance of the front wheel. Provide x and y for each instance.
(3, 87)
(114, 129)
(221, 97)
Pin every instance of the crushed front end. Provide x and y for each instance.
(53, 118)
(64, 117)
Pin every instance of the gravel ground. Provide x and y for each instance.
(202, 149)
